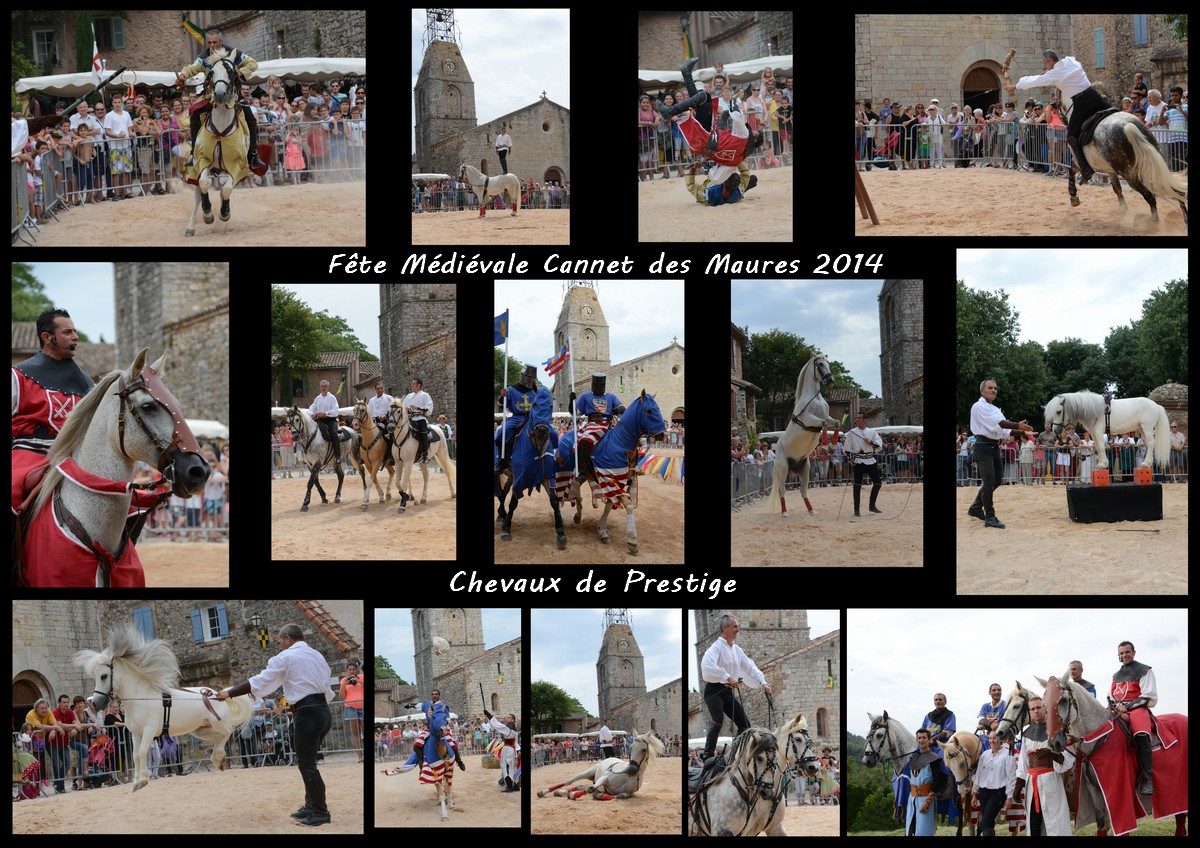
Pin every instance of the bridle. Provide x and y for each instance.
(888, 743)
(112, 685)
(182, 438)
(231, 81)
(1061, 424)
(798, 756)
(822, 375)
(1020, 721)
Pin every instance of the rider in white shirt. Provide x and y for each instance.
(419, 405)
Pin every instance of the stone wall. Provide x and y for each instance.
(660, 710)
(902, 350)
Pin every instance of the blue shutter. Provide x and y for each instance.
(197, 626)
(1098, 37)
(1139, 31)
(222, 623)
(118, 33)
(144, 622)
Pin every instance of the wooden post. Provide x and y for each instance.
(860, 194)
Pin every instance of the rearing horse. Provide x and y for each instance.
(219, 151)
(809, 417)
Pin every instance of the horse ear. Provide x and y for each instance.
(139, 362)
(1019, 686)
(885, 715)
(643, 394)
(1041, 682)
(157, 367)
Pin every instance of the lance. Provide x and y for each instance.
(38, 124)
(481, 696)
(503, 422)
(571, 409)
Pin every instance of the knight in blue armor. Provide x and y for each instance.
(438, 714)
(598, 407)
(518, 400)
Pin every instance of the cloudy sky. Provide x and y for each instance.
(898, 658)
(643, 316)
(513, 55)
(394, 636)
(820, 622)
(358, 305)
(565, 644)
(85, 289)
(1073, 292)
(839, 317)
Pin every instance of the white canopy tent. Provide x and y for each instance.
(738, 72)
(309, 69)
(75, 85)
(205, 429)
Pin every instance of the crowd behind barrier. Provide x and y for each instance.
(395, 741)
(587, 749)
(664, 156)
(287, 458)
(458, 196)
(1032, 464)
(753, 478)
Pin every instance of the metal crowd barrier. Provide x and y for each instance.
(1047, 471)
(749, 480)
(662, 151)
(443, 197)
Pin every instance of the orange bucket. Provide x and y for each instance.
(1143, 475)
(1100, 477)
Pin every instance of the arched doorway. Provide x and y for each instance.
(677, 416)
(552, 175)
(981, 88)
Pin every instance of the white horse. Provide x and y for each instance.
(888, 741)
(730, 805)
(371, 454)
(486, 186)
(809, 416)
(317, 453)
(1126, 415)
(141, 675)
(225, 130)
(404, 450)
(613, 778)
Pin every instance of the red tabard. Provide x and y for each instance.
(54, 559)
(40, 406)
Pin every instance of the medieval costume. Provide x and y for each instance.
(244, 66)
(927, 776)
(1134, 687)
(518, 400)
(599, 407)
(1046, 798)
(508, 751)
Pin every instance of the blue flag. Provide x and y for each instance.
(501, 328)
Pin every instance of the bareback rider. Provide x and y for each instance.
(45, 388)
(1134, 691)
(599, 407)
(517, 399)
(1068, 74)
(245, 65)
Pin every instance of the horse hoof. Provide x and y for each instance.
(1074, 201)
(632, 548)
(422, 500)
(189, 232)
(364, 507)
(304, 508)
(562, 543)
(337, 499)
(506, 537)
(401, 509)
(453, 496)
(541, 793)
(389, 496)
(577, 519)
(604, 540)
(208, 218)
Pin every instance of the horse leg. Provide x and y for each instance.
(602, 528)
(1071, 184)
(558, 522)
(341, 479)
(630, 525)
(226, 194)
(204, 184)
(1116, 184)
(443, 459)
(425, 482)
(362, 472)
(517, 201)
(312, 481)
(1181, 824)
(1137, 186)
(405, 482)
(506, 527)
(779, 482)
(191, 225)
(141, 776)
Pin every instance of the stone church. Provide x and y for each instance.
(582, 319)
(805, 674)
(621, 684)
(902, 351)
(449, 134)
(418, 337)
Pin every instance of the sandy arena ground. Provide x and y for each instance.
(1042, 551)
(1004, 203)
(309, 214)
(344, 531)
(762, 536)
(172, 564)
(655, 808)
(401, 800)
(659, 518)
(668, 213)
(530, 226)
(237, 801)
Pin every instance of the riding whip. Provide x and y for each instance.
(481, 696)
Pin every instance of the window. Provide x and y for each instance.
(1098, 45)
(1140, 38)
(209, 624)
(44, 45)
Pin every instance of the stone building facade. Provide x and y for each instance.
(466, 666)
(902, 351)
(340, 33)
(621, 694)
(715, 37)
(418, 338)
(742, 394)
(659, 710)
(1114, 47)
(804, 673)
(182, 309)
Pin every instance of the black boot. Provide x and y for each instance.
(1145, 778)
(857, 501)
(686, 70)
(753, 182)
(252, 127)
(1085, 170)
(679, 108)
(713, 143)
(195, 128)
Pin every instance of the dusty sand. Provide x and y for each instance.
(659, 519)
(668, 213)
(241, 801)
(762, 536)
(1003, 203)
(1042, 551)
(655, 808)
(401, 800)
(307, 214)
(529, 226)
(811, 821)
(343, 531)
(170, 564)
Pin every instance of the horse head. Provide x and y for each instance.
(648, 417)
(138, 663)
(821, 367)
(645, 748)
(1056, 413)
(876, 739)
(223, 77)
(1016, 714)
(800, 753)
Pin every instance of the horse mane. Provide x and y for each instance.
(744, 743)
(154, 661)
(1083, 406)
(71, 436)
(804, 370)
(219, 54)
(656, 746)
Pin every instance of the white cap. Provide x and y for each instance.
(934, 100)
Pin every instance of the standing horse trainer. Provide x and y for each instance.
(304, 675)
(989, 427)
(724, 668)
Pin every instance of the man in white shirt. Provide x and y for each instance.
(419, 405)
(995, 780)
(508, 753)
(304, 676)
(861, 443)
(606, 737)
(989, 428)
(324, 410)
(724, 668)
(503, 145)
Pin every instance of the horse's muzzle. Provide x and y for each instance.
(190, 473)
(869, 760)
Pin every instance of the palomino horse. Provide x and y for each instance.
(144, 677)
(317, 453)
(1123, 147)
(1111, 759)
(530, 466)
(219, 152)
(404, 450)
(486, 187)
(809, 417)
(371, 454)
(614, 465)
(613, 778)
(729, 804)
(961, 755)
(83, 534)
(1125, 416)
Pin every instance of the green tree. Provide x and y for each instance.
(1127, 369)
(986, 348)
(1163, 333)
(1178, 24)
(773, 361)
(503, 378)
(550, 706)
(384, 670)
(1075, 366)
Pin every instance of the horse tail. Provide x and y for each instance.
(1162, 438)
(1151, 168)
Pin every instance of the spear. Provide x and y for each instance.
(36, 125)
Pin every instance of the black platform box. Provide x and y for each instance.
(1117, 502)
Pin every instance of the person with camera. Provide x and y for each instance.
(304, 676)
(350, 693)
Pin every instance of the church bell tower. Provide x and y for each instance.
(444, 96)
(582, 320)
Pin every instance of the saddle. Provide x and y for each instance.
(701, 777)
(1089, 126)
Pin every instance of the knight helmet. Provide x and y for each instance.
(528, 379)
(598, 382)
